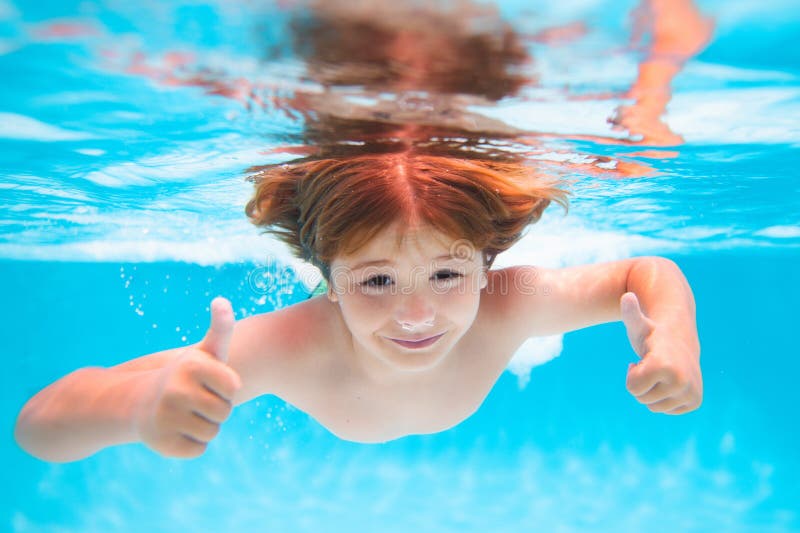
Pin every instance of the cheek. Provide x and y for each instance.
(460, 306)
(363, 315)
(469, 307)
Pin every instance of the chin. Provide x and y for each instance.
(417, 364)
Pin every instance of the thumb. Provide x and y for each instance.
(636, 323)
(218, 336)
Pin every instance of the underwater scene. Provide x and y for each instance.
(147, 147)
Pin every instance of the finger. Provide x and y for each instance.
(637, 325)
(218, 336)
(218, 378)
(185, 447)
(665, 405)
(197, 428)
(203, 429)
(640, 380)
(213, 408)
(660, 391)
(681, 409)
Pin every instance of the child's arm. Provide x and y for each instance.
(173, 401)
(552, 301)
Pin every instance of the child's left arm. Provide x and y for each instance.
(650, 295)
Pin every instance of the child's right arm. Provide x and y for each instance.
(172, 401)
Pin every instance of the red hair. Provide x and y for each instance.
(329, 207)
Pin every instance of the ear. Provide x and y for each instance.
(332, 295)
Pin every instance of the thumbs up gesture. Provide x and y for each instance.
(187, 399)
(667, 379)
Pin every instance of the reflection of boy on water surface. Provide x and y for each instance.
(386, 61)
(430, 67)
(415, 328)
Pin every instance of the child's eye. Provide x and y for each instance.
(377, 281)
(383, 280)
(447, 274)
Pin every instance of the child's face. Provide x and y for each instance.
(416, 292)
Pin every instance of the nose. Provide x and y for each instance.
(415, 313)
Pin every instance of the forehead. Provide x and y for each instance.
(400, 238)
(422, 237)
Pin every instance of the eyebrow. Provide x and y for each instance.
(378, 262)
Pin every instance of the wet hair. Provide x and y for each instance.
(323, 208)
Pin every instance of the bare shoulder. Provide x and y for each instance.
(271, 351)
(496, 311)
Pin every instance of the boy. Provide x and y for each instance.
(414, 330)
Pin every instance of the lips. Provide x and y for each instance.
(421, 343)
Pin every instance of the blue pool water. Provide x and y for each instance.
(122, 197)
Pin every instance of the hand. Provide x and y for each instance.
(188, 399)
(644, 125)
(667, 379)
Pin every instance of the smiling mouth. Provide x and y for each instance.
(418, 344)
